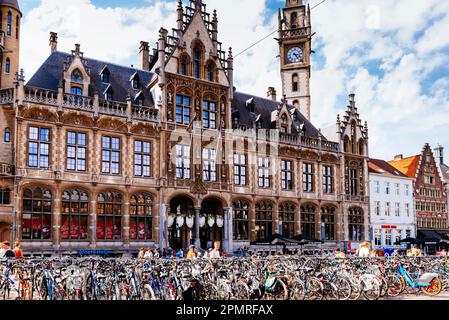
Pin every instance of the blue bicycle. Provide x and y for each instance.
(429, 283)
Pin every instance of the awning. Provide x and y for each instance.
(429, 236)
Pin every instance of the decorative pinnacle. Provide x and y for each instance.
(230, 53)
(179, 4)
(215, 15)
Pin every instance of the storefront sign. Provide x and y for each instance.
(94, 252)
(389, 227)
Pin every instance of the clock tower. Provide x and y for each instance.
(295, 43)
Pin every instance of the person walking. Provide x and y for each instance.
(9, 254)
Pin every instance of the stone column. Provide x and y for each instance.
(56, 221)
(227, 230)
(252, 222)
(93, 223)
(197, 227)
(163, 228)
(298, 221)
(125, 225)
(275, 219)
(319, 227)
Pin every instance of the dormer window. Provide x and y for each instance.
(284, 123)
(77, 76)
(250, 105)
(139, 100)
(135, 81)
(109, 94)
(105, 76)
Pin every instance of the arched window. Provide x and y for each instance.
(75, 213)
(5, 196)
(196, 62)
(264, 219)
(7, 137)
(361, 147)
(17, 27)
(284, 123)
(241, 220)
(9, 27)
(141, 217)
(36, 214)
(8, 65)
(77, 76)
(109, 216)
(295, 82)
(294, 20)
(308, 213)
(328, 221)
(347, 144)
(356, 224)
(287, 218)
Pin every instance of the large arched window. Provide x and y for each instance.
(308, 220)
(77, 76)
(287, 218)
(356, 224)
(5, 196)
(36, 215)
(9, 27)
(109, 216)
(264, 219)
(361, 147)
(75, 213)
(141, 217)
(8, 65)
(328, 221)
(295, 83)
(241, 220)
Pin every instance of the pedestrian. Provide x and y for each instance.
(8, 252)
(18, 249)
(215, 254)
(191, 254)
(141, 254)
(148, 255)
(156, 254)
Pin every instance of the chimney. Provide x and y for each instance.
(398, 157)
(439, 154)
(144, 55)
(271, 94)
(53, 41)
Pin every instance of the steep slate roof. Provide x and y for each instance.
(445, 172)
(49, 75)
(264, 107)
(382, 167)
(407, 166)
(11, 3)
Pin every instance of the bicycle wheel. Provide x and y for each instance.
(314, 289)
(396, 285)
(330, 291)
(283, 293)
(242, 292)
(344, 288)
(297, 291)
(371, 288)
(434, 288)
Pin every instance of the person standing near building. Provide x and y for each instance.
(215, 254)
(18, 249)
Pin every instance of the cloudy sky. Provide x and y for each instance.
(393, 54)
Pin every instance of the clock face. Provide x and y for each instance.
(295, 54)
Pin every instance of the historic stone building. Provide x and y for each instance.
(100, 156)
(429, 191)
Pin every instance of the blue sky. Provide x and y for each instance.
(393, 54)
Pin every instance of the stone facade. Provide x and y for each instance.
(272, 171)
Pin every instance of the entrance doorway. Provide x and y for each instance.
(213, 218)
(181, 230)
(5, 232)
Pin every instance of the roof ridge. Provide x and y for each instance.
(106, 63)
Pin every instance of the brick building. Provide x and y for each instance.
(430, 193)
(103, 156)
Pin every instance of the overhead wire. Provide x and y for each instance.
(264, 38)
